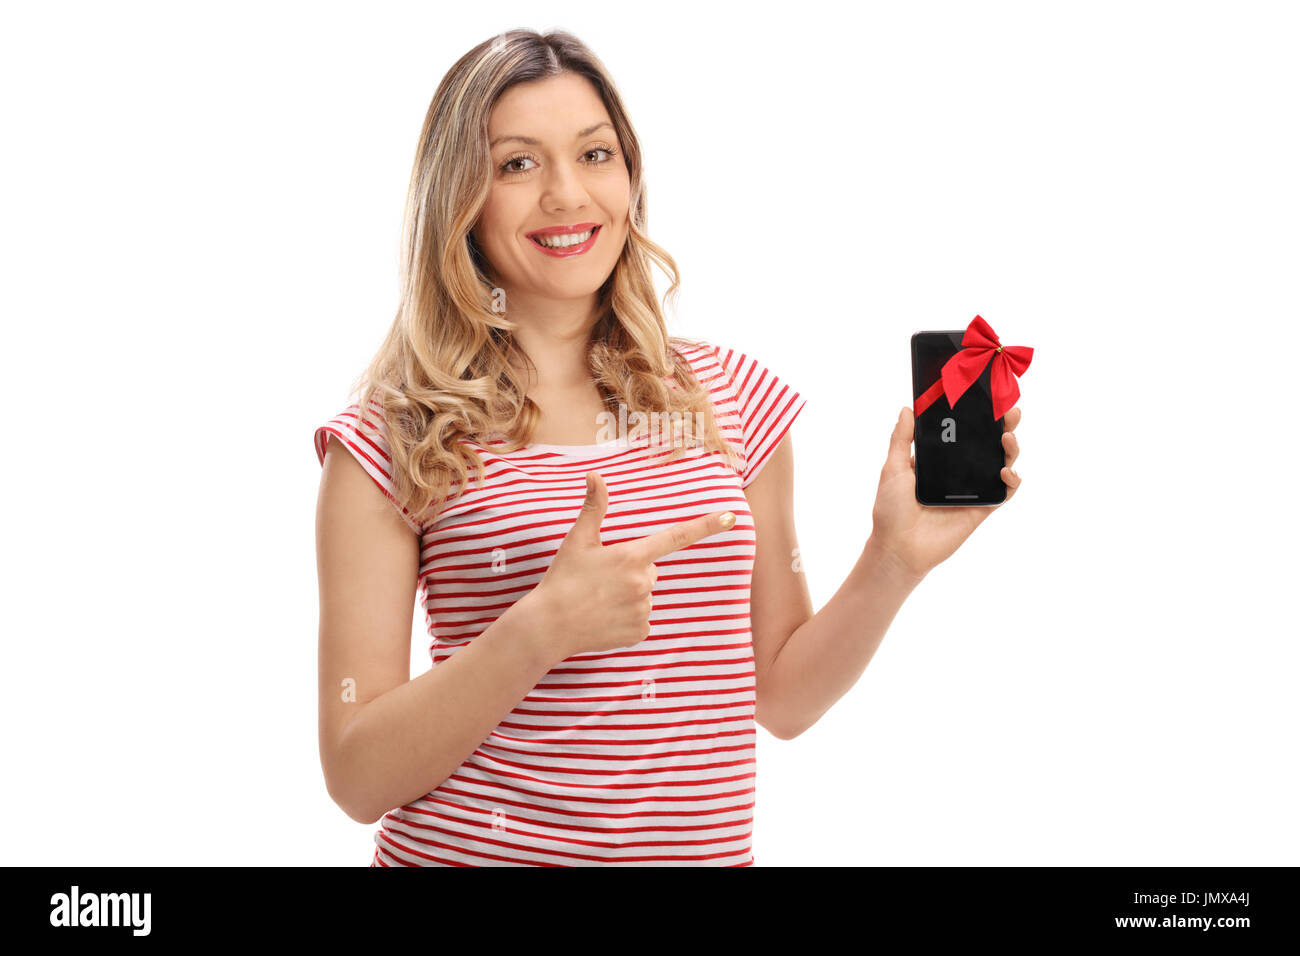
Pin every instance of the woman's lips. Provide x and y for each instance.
(563, 253)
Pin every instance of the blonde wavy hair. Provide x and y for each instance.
(444, 371)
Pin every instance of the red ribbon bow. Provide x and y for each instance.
(980, 346)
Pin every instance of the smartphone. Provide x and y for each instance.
(959, 454)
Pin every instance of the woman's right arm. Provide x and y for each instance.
(386, 739)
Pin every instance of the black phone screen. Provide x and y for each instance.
(959, 455)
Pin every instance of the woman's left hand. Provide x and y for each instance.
(921, 537)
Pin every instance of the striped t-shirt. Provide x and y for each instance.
(637, 756)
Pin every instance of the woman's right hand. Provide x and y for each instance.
(597, 597)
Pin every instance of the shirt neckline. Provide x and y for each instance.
(614, 445)
(572, 450)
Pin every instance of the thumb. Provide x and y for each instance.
(900, 442)
(586, 529)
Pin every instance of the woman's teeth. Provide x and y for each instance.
(560, 242)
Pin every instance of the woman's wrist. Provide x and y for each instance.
(539, 627)
(886, 562)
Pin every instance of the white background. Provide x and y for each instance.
(200, 224)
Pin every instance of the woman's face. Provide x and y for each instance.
(556, 161)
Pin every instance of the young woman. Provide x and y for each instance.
(596, 516)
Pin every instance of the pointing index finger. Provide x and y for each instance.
(683, 534)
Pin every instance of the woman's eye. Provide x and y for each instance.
(609, 151)
(509, 165)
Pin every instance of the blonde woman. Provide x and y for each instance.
(595, 517)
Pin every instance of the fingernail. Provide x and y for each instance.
(728, 519)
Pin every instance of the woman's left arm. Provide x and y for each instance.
(805, 662)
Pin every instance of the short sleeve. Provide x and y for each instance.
(370, 448)
(765, 405)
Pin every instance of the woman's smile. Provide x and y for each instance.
(564, 241)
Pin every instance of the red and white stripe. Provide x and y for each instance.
(639, 756)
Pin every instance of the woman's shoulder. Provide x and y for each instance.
(701, 354)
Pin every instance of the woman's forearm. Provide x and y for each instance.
(407, 741)
(827, 654)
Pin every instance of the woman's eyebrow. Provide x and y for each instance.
(537, 142)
